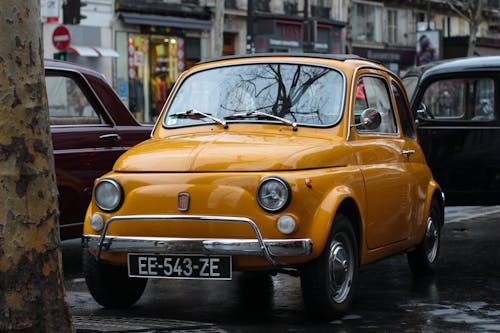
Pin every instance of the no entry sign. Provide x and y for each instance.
(61, 38)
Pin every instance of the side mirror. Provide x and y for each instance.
(423, 112)
(370, 119)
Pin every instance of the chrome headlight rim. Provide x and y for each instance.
(285, 203)
(119, 190)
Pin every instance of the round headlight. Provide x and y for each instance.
(273, 194)
(108, 194)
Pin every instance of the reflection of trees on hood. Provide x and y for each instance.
(279, 87)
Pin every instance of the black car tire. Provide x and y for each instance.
(110, 285)
(328, 282)
(424, 259)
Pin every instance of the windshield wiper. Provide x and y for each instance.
(194, 112)
(251, 114)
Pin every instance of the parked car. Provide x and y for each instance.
(91, 128)
(456, 105)
(299, 164)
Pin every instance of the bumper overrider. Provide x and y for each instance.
(268, 248)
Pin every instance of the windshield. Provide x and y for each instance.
(302, 94)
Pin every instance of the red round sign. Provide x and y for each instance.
(61, 38)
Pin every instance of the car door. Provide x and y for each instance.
(459, 130)
(383, 157)
(85, 141)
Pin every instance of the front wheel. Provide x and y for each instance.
(110, 285)
(424, 259)
(329, 281)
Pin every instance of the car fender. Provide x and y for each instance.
(330, 206)
(433, 192)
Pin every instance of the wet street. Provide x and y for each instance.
(463, 297)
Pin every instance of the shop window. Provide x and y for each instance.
(367, 25)
(155, 61)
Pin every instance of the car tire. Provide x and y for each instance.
(328, 283)
(110, 285)
(424, 259)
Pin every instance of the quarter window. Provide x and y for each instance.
(404, 113)
(460, 99)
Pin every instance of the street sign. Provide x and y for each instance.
(61, 38)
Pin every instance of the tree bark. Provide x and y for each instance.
(32, 296)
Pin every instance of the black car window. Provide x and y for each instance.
(372, 92)
(68, 105)
(461, 99)
(404, 113)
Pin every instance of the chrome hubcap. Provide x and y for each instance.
(341, 268)
(431, 240)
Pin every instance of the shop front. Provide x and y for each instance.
(154, 62)
(154, 49)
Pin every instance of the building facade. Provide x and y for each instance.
(142, 46)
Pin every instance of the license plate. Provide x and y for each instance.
(180, 266)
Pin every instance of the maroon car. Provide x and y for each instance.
(90, 128)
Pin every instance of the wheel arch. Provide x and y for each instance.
(349, 208)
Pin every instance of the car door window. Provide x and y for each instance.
(68, 104)
(460, 99)
(404, 113)
(372, 92)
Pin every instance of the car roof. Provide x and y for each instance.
(339, 57)
(66, 65)
(459, 65)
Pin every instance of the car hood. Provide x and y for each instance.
(213, 152)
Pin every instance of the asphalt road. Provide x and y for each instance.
(463, 297)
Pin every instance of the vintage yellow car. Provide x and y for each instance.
(281, 163)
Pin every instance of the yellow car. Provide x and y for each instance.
(283, 163)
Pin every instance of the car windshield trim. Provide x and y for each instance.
(281, 91)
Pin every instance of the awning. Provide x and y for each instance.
(93, 51)
(166, 21)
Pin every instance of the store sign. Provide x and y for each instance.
(50, 10)
(289, 29)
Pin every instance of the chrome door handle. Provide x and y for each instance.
(113, 137)
(408, 152)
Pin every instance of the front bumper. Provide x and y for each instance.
(269, 248)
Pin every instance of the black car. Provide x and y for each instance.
(456, 105)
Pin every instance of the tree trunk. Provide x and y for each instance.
(31, 281)
(471, 48)
(348, 28)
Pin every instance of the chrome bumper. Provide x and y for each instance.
(268, 248)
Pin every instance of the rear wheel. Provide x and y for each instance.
(329, 281)
(424, 259)
(110, 285)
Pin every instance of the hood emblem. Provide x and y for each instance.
(183, 201)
